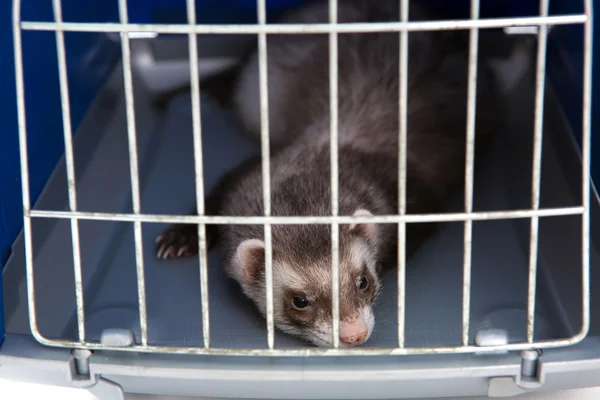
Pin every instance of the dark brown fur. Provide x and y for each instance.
(368, 151)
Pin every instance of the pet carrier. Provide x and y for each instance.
(499, 302)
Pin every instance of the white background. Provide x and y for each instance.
(20, 391)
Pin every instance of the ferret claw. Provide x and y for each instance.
(161, 251)
(177, 242)
(182, 251)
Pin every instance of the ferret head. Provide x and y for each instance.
(302, 280)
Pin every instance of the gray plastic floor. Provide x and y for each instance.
(434, 276)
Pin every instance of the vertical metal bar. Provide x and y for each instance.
(536, 167)
(266, 169)
(585, 149)
(469, 171)
(70, 166)
(133, 166)
(199, 169)
(402, 151)
(20, 92)
(333, 127)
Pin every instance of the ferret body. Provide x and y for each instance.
(298, 82)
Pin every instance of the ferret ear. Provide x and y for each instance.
(368, 230)
(250, 259)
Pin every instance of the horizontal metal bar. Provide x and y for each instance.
(378, 219)
(306, 28)
(315, 351)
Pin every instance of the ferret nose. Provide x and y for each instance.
(353, 333)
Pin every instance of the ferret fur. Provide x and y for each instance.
(368, 115)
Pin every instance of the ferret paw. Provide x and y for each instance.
(179, 241)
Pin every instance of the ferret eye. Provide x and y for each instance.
(300, 302)
(363, 283)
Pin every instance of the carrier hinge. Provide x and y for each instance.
(82, 377)
(530, 377)
(80, 368)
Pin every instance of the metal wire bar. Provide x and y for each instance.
(23, 156)
(199, 169)
(263, 29)
(469, 172)
(536, 167)
(402, 151)
(315, 351)
(342, 219)
(334, 148)
(70, 167)
(487, 23)
(586, 160)
(133, 168)
(266, 169)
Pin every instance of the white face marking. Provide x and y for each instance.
(322, 335)
(286, 277)
(369, 317)
(359, 255)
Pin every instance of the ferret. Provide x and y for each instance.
(299, 126)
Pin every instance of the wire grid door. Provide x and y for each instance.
(262, 29)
